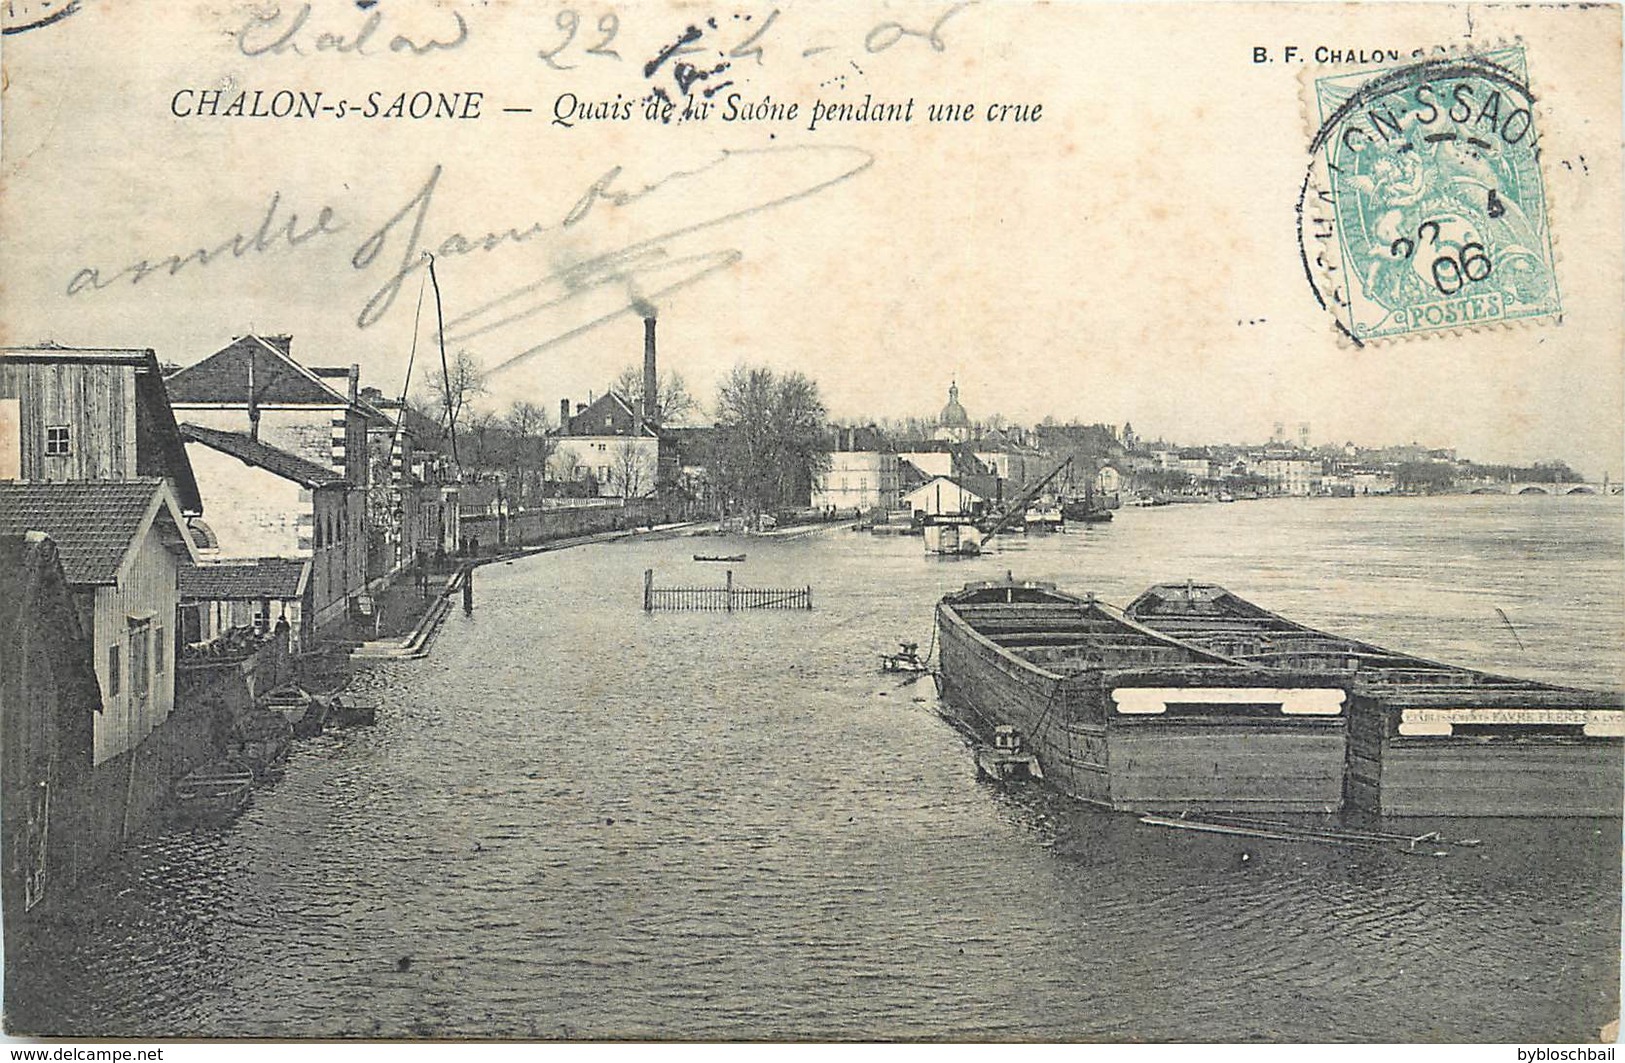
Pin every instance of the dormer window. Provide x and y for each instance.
(58, 441)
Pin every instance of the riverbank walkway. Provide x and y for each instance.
(415, 643)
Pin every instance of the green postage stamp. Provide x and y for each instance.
(1424, 210)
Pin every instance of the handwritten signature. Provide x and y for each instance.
(729, 185)
(645, 270)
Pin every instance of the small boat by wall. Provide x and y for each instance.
(214, 793)
(289, 699)
(1084, 511)
(1425, 738)
(342, 712)
(906, 659)
(1125, 717)
(733, 558)
(1044, 518)
(262, 740)
(1006, 760)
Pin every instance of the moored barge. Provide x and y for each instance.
(1126, 717)
(1425, 738)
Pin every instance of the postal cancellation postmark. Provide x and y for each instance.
(1424, 208)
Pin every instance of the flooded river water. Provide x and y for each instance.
(575, 820)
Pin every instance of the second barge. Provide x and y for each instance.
(1425, 738)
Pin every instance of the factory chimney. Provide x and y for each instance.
(651, 381)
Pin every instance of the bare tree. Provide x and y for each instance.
(526, 423)
(771, 443)
(480, 427)
(630, 473)
(562, 464)
(450, 391)
(672, 400)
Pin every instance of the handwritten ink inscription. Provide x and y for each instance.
(636, 271)
(575, 38)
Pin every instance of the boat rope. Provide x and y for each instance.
(1048, 705)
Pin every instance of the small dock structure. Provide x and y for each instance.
(728, 598)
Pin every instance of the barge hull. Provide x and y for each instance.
(1092, 751)
(1228, 768)
(979, 685)
(1500, 777)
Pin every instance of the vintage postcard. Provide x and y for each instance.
(861, 521)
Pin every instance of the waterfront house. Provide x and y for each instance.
(269, 503)
(69, 413)
(611, 444)
(1007, 458)
(412, 491)
(943, 496)
(862, 474)
(121, 546)
(255, 386)
(232, 594)
(1287, 470)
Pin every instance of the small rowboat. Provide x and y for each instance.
(718, 557)
(289, 699)
(342, 713)
(214, 793)
(1005, 761)
(907, 659)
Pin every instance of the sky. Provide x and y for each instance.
(1132, 255)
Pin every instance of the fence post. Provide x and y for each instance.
(809, 597)
(730, 589)
(648, 590)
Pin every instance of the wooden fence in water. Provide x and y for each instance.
(724, 599)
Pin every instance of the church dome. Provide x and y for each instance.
(953, 415)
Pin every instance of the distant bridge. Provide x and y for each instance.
(1534, 488)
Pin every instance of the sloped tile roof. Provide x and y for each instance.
(92, 522)
(280, 578)
(223, 376)
(262, 455)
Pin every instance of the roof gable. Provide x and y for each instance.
(94, 523)
(251, 451)
(278, 379)
(933, 481)
(610, 414)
